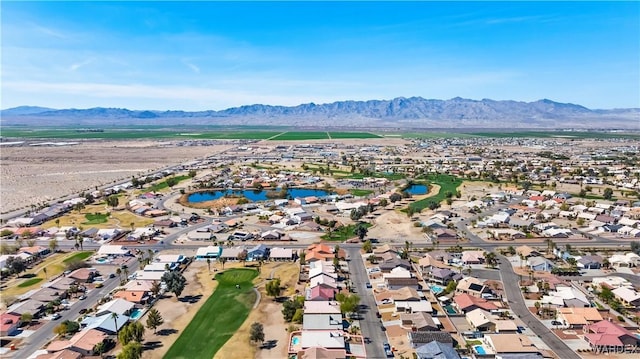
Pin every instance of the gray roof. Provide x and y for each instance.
(322, 322)
(419, 338)
(437, 350)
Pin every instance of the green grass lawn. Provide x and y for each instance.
(96, 218)
(300, 136)
(447, 183)
(79, 256)
(162, 185)
(360, 192)
(343, 233)
(353, 135)
(389, 176)
(219, 318)
(30, 282)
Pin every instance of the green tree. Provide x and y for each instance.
(175, 282)
(242, 257)
(100, 348)
(395, 197)
(273, 288)
(607, 193)
(256, 333)
(26, 317)
(132, 350)
(112, 201)
(302, 258)
(348, 302)
(154, 319)
(132, 332)
(367, 247)
(361, 231)
(15, 265)
(155, 288)
(171, 181)
(290, 306)
(53, 245)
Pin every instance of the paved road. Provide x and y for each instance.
(45, 333)
(517, 304)
(370, 325)
(633, 278)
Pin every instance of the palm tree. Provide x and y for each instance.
(209, 264)
(125, 270)
(119, 273)
(114, 316)
(44, 270)
(223, 261)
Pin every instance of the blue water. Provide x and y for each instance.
(417, 189)
(136, 313)
(295, 340)
(436, 289)
(449, 309)
(255, 196)
(479, 349)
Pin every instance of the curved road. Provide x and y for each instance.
(517, 304)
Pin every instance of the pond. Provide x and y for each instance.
(417, 189)
(255, 195)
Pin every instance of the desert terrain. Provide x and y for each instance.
(35, 174)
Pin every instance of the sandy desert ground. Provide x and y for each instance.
(31, 175)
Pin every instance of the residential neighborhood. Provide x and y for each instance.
(442, 248)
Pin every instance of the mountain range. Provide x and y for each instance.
(413, 112)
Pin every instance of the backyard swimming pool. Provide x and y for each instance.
(436, 289)
(449, 309)
(479, 349)
(136, 314)
(295, 340)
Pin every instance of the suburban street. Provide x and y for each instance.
(45, 333)
(516, 302)
(370, 325)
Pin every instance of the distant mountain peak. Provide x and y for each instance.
(403, 112)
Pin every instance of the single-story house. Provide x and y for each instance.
(281, 254)
(9, 324)
(627, 296)
(209, 252)
(606, 336)
(437, 350)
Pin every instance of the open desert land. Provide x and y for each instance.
(35, 174)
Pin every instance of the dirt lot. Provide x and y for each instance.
(31, 175)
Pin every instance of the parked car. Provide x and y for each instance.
(368, 285)
(387, 350)
(83, 310)
(555, 322)
(112, 275)
(56, 316)
(82, 297)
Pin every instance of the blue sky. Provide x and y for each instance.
(215, 55)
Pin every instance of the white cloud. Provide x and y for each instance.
(193, 67)
(49, 31)
(80, 64)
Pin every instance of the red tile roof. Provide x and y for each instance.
(605, 333)
(465, 301)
